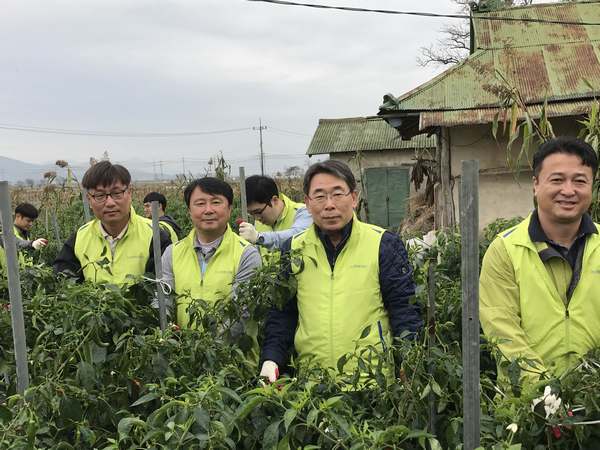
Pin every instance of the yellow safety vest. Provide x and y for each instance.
(18, 233)
(167, 227)
(216, 282)
(334, 308)
(131, 254)
(285, 219)
(558, 331)
(2, 258)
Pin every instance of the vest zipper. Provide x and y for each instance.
(331, 358)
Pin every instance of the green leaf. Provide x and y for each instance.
(126, 424)
(145, 399)
(434, 444)
(425, 392)
(271, 436)
(5, 414)
(365, 332)
(289, 417)
(311, 418)
(436, 388)
(246, 407)
(202, 418)
(332, 401)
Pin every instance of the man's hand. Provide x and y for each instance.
(39, 243)
(248, 232)
(270, 370)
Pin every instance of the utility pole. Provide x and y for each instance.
(162, 175)
(262, 155)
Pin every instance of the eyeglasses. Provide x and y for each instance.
(336, 196)
(257, 212)
(102, 196)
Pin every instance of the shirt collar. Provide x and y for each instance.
(346, 230)
(537, 233)
(211, 246)
(106, 235)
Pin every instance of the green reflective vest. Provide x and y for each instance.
(285, 219)
(2, 258)
(167, 227)
(217, 280)
(130, 257)
(19, 233)
(558, 331)
(334, 308)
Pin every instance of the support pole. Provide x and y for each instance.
(469, 231)
(431, 338)
(162, 310)
(55, 226)
(244, 201)
(86, 206)
(14, 289)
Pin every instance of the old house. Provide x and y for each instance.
(547, 53)
(380, 159)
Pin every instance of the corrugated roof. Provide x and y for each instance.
(550, 62)
(361, 134)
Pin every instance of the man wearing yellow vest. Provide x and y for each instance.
(277, 217)
(353, 276)
(116, 246)
(166, 221)
(539, 279)
(25, 216)
(212, 260)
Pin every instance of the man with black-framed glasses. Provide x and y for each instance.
(278, 218)
(116, 246)
(350, 276)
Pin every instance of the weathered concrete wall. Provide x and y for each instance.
(501, 192)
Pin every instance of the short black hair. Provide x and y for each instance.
(569, 145)
(104, 174)
(333, 167)
(260, 189)
(27, 210)
(156, 197)
(210, 185)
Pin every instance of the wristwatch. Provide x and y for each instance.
(260, 240)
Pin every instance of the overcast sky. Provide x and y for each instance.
(204, 65)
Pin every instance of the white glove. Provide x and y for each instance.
(270, 371)
(39, 243)
(248, 232)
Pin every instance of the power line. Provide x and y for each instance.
(279, 130)
(33, 129)
(424, 14)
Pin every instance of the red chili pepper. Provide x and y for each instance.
(570, 413)
(239, 221)
(556, 432)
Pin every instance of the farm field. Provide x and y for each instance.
(104, 376)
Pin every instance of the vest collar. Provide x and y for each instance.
(519, 235)
(285, 211)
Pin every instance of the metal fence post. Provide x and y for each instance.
(162, 310)
(55, 226)
(431, 338)
(244, 201)
(469, 231)
(14, 289)
(86, 206)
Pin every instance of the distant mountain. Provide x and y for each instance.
(14, 171)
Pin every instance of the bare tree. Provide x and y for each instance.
(454, 47)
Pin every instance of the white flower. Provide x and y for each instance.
(551, 402)
(513, 427)
(113, 373)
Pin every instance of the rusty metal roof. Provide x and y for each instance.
(361, 134)
(545, 62)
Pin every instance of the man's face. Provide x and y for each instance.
(25, 223)
(209, 213)
(113, 209)
(330, 202)
(563, 188)
(263, 212)
(148, 210)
